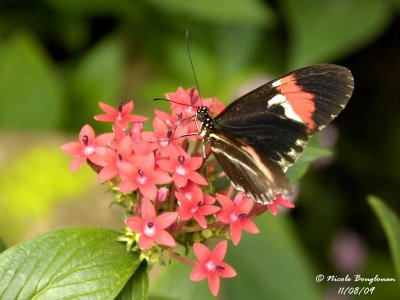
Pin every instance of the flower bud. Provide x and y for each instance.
(162, 194)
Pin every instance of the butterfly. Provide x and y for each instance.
(258, 136)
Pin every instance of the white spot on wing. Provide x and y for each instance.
(289, 112)
(276, 83)
(277, 100)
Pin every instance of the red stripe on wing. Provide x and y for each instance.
(301, 102)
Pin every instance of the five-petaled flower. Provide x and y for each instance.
(152, 227)
(141, 172)
(120, 117)
(112, 160)
(281, 201)
(210, 265)
(163, 138)
(183, 167)
(86, 147)
(197, 206)
(235, 213)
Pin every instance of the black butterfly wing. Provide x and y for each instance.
(257, 176)
(277, 118)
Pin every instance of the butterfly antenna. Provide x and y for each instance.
(163, 99)
(191, 62)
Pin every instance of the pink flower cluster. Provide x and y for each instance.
(161, 179)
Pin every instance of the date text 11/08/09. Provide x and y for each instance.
(356, 290)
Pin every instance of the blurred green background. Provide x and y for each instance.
(58, 58)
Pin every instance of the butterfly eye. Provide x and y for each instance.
(200, 115)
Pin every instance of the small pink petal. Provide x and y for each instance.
(125, 146)
(104, 139)
(207, 199)
(107, 108)
(145, 242)
(273, 208)
(149, 191)
(224, 216)
(227, 271)
(165, 220)
(166, 165)
(199, 273)
(213, 283)
(197, 178)
(201, 220)
(202, 252)
(135, 224)
(236, 233)
(76, 163)
(147, 209)
(97, 160)
(164, 238)
(147, 163)
(208, 209)
(135, 118)
(88, 131)
(159, 126)
(161, 177)
(72, 148)
(127, 167)
(104, 118)
(127, 186)
(284, 203)
(245, 205)
(183, 201)
(127, 107)
(195, 163)
(219, 251)
(108, 173)
(249, 226)
(226, 202)
(179, 180)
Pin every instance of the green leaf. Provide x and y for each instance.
(322, 31)
(391, 225)
(295, 172)
(30, 90)
(222, 11)
(3, 245)
(271, 265)
(138, 285)
(85, 263)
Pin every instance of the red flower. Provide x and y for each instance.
(142, 173)
(120, 117)
(113, 159)
(197, 206)
(186, 100)
(210, 265)
(86, 147)
(152, 227)
(235, 213)
(183, 166)
(281, 201)
(164, 138)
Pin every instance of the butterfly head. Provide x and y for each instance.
(202, 114)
